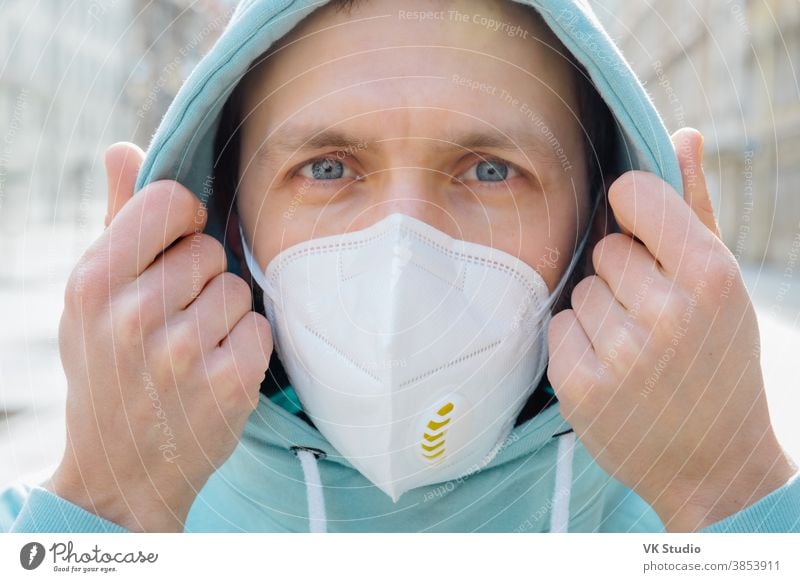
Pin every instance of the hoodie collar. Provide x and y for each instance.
(273, 425)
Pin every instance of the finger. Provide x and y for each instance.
(655, 214)
(220, 306)
(158, 215)
(122, 161)
(600, 314)
(688, 143)
(243, 356)
(570, 351)
(178, 276)
(627, 267)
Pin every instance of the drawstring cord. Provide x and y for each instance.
(562, 489)
(316, 500)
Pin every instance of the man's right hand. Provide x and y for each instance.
(163, 356)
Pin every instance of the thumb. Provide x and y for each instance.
(688, 144)
(123, 160)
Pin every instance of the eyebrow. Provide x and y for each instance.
(290, 140)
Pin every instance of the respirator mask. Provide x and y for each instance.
(411, 351)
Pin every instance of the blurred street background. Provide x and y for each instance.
(75, 77)
(78, 76)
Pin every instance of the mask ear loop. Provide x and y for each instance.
(255, 271)
(547, 305)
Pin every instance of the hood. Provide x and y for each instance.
(182, 149)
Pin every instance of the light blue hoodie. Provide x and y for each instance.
(543, 479)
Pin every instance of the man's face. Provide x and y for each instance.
(453, 119)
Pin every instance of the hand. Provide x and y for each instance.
(657, 364)
(163, 356)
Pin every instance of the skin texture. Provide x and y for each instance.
(657, 366)
(698, 446)
(400, 87)
(162, 355)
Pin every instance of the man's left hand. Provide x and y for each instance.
(657, 364)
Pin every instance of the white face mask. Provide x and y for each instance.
(412, 352)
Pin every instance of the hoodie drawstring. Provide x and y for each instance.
(562, 490)
(316, 500)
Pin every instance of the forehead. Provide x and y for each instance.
(477, 52)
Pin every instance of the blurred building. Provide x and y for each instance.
(78, 76)
(171, 36)
(74, 78)
(730, 69)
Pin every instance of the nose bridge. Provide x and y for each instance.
(416, 191)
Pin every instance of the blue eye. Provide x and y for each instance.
(491, 171)
(325, 169)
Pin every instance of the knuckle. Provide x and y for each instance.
(230, 385)
(263, 331)
(670, 312)
(235, 288)
(609, 245)
(75, 288)
(557, 325)
(84, 287)
(627, 347)
(722, 267)
(207, 253)
(623, 183)
(212, 249)
(170, 193)
(182, 347)
(568, 395)
(582, 290)
(127, 323)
